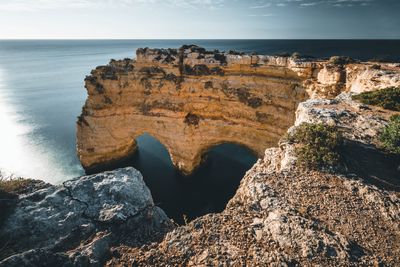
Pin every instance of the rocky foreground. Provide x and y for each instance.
(75, 224)
(280, 215)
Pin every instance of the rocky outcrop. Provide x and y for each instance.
(191, 99)
(283, 216)
(76, 223)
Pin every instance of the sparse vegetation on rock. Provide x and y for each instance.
(202, 70)
(339, 60)
(220, 57)
(192, 119)
(109, 73)
(388, 98)
(318, 145)
(208, 85)
(390, 136)
(16, 186)
(296, 55)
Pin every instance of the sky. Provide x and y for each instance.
(200, 19)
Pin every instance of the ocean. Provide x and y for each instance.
(42, 93)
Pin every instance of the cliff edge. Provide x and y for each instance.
(191, 99)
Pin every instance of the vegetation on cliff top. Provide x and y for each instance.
(388, 98)
(340, 60)
(318, 145)
(390, 136)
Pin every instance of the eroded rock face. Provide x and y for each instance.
(191, 99)
(284, 216)
(80, 219)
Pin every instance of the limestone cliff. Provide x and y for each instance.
(191, 99)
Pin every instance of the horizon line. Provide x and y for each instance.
(206, 39)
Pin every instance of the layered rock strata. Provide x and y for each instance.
(191, 99)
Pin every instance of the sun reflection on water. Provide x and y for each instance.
(20, 155)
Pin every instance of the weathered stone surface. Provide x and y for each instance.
(191, 99)
(58, 218)
(283, 216)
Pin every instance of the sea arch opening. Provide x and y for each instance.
(207, 190)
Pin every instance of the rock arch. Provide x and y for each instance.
(191, 99)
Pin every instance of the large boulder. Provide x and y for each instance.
(90, 208)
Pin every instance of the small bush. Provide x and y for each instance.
(296, 55)
(376, 67)
(318, 145)
(388, 98)
(338, 60)
(390, 136)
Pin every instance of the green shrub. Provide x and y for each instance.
(340, 60)
(388, 98)
(318, 145)
(390, 136)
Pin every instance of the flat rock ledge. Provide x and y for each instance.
(76, 223)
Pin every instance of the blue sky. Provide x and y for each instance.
(199, 19)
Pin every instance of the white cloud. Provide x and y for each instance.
(261, 6)
(309, 4)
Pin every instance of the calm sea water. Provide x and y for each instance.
(41, 94)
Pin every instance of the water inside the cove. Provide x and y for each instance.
(207, 190)
(42, 93)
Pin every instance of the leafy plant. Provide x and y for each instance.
(388, 98)
(318, 145)
(390, 136)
